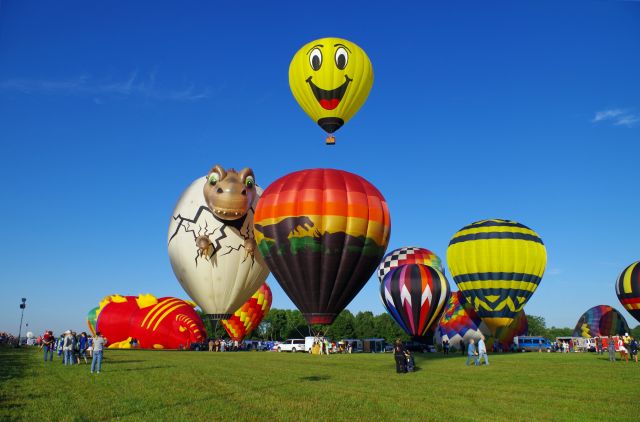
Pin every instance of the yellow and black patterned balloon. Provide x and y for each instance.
(628, 289)
(497, 265)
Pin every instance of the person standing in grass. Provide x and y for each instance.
(401, 360)
(98, 346)
(462, 347)
(48, 344)
(83, 344)
(67, 348)
(611, 347)
(482, 351)
(471, 353)
(633, 349)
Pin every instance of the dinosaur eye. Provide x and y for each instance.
(249, 182)
(213, 179)
(342, 57)
(315, 59)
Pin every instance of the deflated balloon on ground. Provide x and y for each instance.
(165, 323)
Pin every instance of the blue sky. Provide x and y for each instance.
(519, 110)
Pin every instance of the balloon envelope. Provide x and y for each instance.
(408, 255)
(628, 289)
(248, 317)
(219, 284)
(415, 296)
(601, 320)
(330, 79)
(322, 233)
(165, 323)
(460, 321)
(497, 265)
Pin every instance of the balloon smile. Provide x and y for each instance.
(329, 99)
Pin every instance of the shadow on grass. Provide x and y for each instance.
(13, 362)
(117, 361)
(146, 368)
(315, 378)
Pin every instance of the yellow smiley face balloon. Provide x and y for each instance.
(331, 79)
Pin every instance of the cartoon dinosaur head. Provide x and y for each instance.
(229, 193)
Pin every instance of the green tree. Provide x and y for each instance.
(343, 326)
(365, 325)
(635, 332)
(537, 325)
(387, 328)
(554, 332)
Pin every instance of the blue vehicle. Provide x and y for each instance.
(532, 344)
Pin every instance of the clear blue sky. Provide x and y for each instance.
(519, 110)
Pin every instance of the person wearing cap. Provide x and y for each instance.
(67, 348)
(98, 345)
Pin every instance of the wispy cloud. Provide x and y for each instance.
(617, 116)
(133, 86)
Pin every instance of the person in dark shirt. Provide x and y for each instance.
(401, 359)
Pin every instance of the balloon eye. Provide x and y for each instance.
(249, 182)
(315, 59)
(213, 179)
(342, 57)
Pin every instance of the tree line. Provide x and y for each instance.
(281, 324)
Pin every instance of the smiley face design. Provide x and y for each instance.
(331, 79)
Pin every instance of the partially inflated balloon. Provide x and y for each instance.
(408, 255)
(248, 317)
(601, 320)
(461, 322)
(165, 323)
(223, 275)
(628, 289)
(322, 233)
(415, 296)
(497, 264)
(331, 79)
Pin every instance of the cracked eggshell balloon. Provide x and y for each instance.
(225, 280)
(330, 79)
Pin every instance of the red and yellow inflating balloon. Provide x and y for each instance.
(248, 317)
(165, 323)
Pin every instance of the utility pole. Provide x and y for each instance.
(22, 306)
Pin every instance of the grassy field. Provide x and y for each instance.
(160, 385)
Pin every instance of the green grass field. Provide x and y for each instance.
(162, 385)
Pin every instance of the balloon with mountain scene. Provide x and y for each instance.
(248, 317)
(497, 265)
(330, 79)
(415, 296)
(322, 232)
(211, 243)
(628, 289)
(165, 323)
(408, 255)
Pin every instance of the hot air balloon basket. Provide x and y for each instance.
(331, 140)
